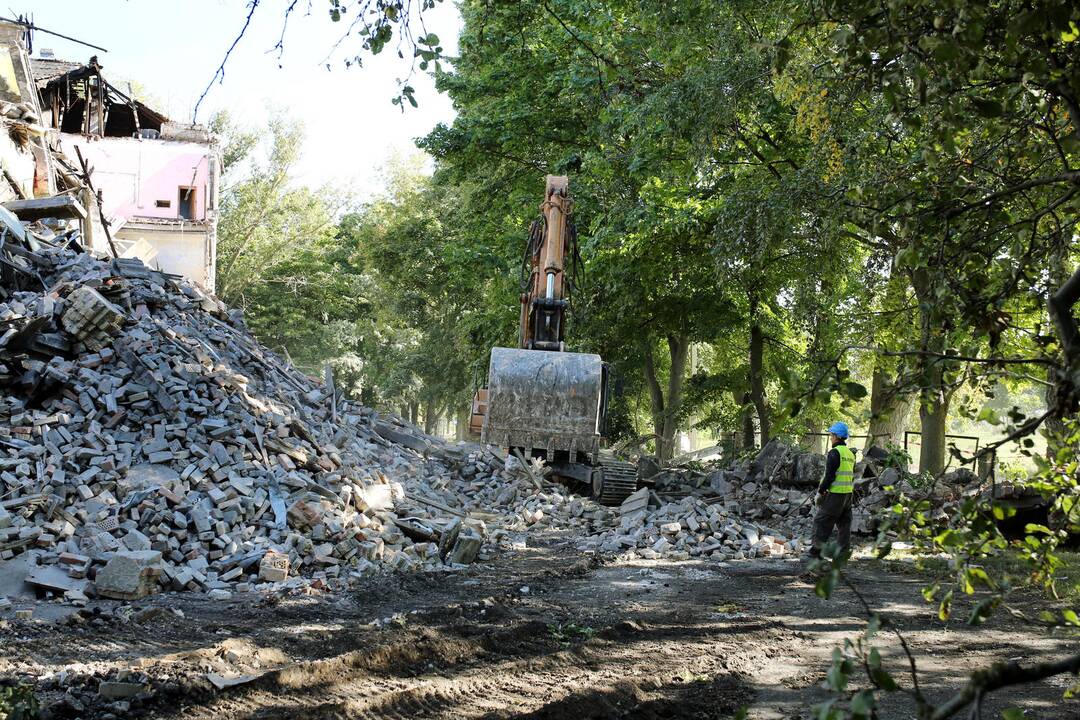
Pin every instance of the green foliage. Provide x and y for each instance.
(378, 23)
(565, 633)
(432, 325)
(699, 196)
(280, 258)
(18, 702)
(897, 457)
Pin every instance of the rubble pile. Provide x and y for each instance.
(692, 527)
(765, 507)
(146, 440)
(723, 514)
(506, 501)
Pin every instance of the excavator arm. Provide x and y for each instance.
(540, 399)
(544, 298)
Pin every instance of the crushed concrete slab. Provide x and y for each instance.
(53, 579)
(13, 577)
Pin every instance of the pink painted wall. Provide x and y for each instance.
(133, 174)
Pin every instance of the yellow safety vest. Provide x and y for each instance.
(845, 474)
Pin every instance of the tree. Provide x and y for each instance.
(973, 192)
(265, 222)
(280, 258)
(983, 97)
(694, 187)
(428, 335)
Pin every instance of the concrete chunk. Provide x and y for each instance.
(129, 575)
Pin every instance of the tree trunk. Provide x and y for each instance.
(820, 321)
(933, 411)
(746, 420)
(678, 347)
(463, 423)
(812, 442)
(656, 399)
(414, 412)
(933, 400)
(889, 410)
(431, 417)
(665, 410)
(757, 380)
(1055, 426)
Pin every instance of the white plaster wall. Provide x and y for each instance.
(182, 252)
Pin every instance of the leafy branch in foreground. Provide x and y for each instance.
(18, 702)
(984, 565)
(860, 652)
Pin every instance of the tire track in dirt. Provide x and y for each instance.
(629, 670)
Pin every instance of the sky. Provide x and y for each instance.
(173, 48)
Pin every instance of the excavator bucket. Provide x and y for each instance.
(540, 400)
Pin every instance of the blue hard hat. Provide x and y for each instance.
(839, 429)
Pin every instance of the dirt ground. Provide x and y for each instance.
(546, 634)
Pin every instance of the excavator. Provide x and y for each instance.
(541, 400)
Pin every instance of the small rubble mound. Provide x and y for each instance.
(709, 508)
(146, 440)
(695, 526)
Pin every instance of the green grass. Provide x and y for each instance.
(564, 633)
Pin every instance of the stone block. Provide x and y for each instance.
(638, 500)
(466, 549)
(129, 575)
(135, 540)
(112, 690)
(55, 580)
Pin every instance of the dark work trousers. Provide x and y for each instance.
(834, 510)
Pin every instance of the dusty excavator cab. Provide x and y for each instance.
(545, 401)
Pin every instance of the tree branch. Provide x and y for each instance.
(570, 31)
(963, 358)
(1073, 177)
(1060, 309)
(1022, 431)
(252, 4)
(917, 691)
(1000, 675)
(754, 151)
(280, 45)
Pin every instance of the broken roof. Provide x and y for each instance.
(64, 86)
(46, 69)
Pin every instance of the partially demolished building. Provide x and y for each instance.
(147, 186)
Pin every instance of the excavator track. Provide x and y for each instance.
(613, 481)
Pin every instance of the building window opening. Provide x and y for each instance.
(163, 203)
(186, 205)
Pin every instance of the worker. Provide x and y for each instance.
(835, 493)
